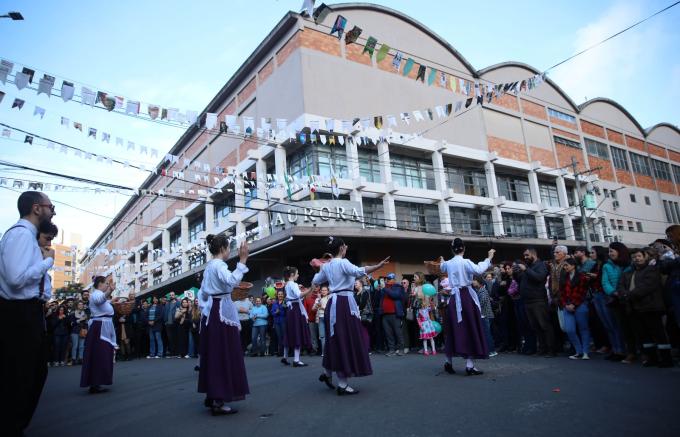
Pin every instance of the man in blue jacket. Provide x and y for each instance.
(392, 312)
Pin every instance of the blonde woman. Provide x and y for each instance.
(423, 304)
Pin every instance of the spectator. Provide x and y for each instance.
(642, 289)
(526, 342)
(123, 328)
(584, 263)
(170, 324)
(505, 321)
(611, 279)
(60, 332)
(669, 264)
(183, 322)
(392, 312)
(479, 285)
(259, 315)
(560, 254)
(194, 335)
(606, 301)
(243, 307)
(573, 290)
(154, 317)
(308, 302)
(598, 331)
(407, 324)
(141, 324)
(78, 326)
(531, 278)
(279, 313)
(320, 308)
(422, 305)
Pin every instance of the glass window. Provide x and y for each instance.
(561, 116)
(631, 228)
(661, 170)
(412, 172)
(223, 208)
(369, 165)
(676, 173)
(667, 209)
(467, 221)
(555, 227)
(67, 263)
(317, 160)
(196, 260)
(639, 226)
(632, 198)
(640, 164)
(647, 200)
(596, 148)
(374, 215)
(549, 194)
(196, 226)
(676, 212)
(514, 188)
(468, 181)
(578, 230)
(619, 159)
(566, 142)
(519, 225)
(175, 241)
(417, 217)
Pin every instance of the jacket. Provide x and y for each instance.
(532, 282)
(573, 291)
(647, 295)
(169, 312)
(671, 267)
(611, 275)
(396, 293)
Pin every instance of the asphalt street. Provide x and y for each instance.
(406, 396)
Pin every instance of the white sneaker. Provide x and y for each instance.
(576, 357)
(493, 354)
(585, 357)
(148, 357)
(406, 350)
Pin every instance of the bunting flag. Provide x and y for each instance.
(339, 26)
(334, 184)
(432, 76)
(321, 13)
(382, 53)
(421, 73)
(378, 122)
(396, 61)
(352, 35)
(67, 90)
(408, 66)
(370, 46)
(18, 103)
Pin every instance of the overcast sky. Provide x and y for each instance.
(179, 54)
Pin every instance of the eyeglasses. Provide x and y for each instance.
(49, 205)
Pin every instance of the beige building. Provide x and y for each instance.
(64, 271)
(497, 173)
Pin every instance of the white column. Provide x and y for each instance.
(184, 229)
(564, 203)
(541, 229)
(262, 216)
(384, 159)
(390, 212)
(496, 216)
(280, 167)
(149, 263)
(165, 244)
(353, 167)
(441, 186)
(138, 264)
(534, 189)
(209, 209)
(240, 203)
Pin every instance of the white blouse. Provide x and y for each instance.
(102, 310)
(218, 283)
(294, 294)
(461, 271)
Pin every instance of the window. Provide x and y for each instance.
(519, 225)
(514, 188)
(561, 116)
(249, 196)
(467, 181)
(223, 208)
(468, 221)
(196, 260)
(632, 198)
(619, 158)
(555, 227)
(640, 164)
(412, 172)
(612, 223)
(196, 226)
(667, 209)
(661, 170)
(175, 241)
(596, 148)
(417, 217)
(647, 200)
(676, 212)
(613, 194)
(374, 215)
(676, 173)
(67, 263)
(619, 225)
(631, 228)
(317, 161)
(566, 142)
(639, 226)
(369, 165)
(606, 193)
(67, 283)
(549, 194)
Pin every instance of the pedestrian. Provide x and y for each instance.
(222, 374)
(259, 315)
(297, 326)
(479, 285)
(532, 276)
(279, 316)
(308, 302)
(100, 343)
(362, 294)
(406, 323)
(320, 308)
(346, 349)
(154, 317)
(423, 308)
(23, 265)
(464, 330)
(195, 335)
(78, 325)
(60, 333)
(46, 233)
(183, 322)
(670, 265)
(170, 324)
(619, 263)
(392, 311)
(505, 321)
(573, 291)
(243, 307)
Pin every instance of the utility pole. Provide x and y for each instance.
(584, 225)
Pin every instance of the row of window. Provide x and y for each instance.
(632, 227)
(672, 210)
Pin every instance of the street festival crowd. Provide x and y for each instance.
(615, 302)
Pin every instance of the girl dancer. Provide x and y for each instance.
(423, 306)
(464, 331)
(297, 325)
(222, 373)
(346, 351)
(100, 342)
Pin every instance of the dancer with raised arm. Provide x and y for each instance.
(297, 323)
(346, 351)
(464, 331)
(222, 373)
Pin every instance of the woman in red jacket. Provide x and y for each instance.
(573, 290)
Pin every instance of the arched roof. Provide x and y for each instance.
(663, 124)
(615, 104)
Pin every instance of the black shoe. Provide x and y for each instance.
(207, 403)
(347, 390)
(197, 368)
(299, 364)
(327, 380)
(95, 389)
(285, 362)
(471, 371)
(448, 368)
(218, 411)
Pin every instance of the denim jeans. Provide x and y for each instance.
(77, 346)
(314, 335)
(60, 347)
(576, 324)
(259, 339)
(609, 323)
(280, 329)
(486, 323)
(155, 343)
(192, 346)
(322, 334)
(392, 327)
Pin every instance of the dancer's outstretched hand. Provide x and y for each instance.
(385, 261)
(243, 252)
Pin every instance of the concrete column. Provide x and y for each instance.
(209, 209)
(184, 229)
(390, 212)
(563, 195)
(445, 216)
(541, 229)
(352, 159)
(280, 167)
(534, 188)
(137, 268)
(165, 244)
(385, 167)
(599, 230)
(262, 216)
(149, 263)
(439, 174)
(496, 216)
(497, 221)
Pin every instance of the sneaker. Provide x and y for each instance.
(157, 357)
(390, 354)
(148, 357)
(434, 352)
(398, 353)
(70, 363)
(187, 356)
(492, 354)
(406, 350)
(576, 357)
(585, 357)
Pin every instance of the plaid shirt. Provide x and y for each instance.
(573, 291)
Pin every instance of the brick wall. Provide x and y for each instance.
(565, 134)
(508, 101)
(248, 144)
(656, 150)
(644, 181)
(607, 170)
(665, 186)
(564, 154)
(288, 48)
(386, 64)
(592, 129)
(625, 177)
(546, 157)
(635, 143)
(534, 109)
(353, 53)
(508, 149)
(561, 122)
(674, 156)
(615, 137)
(323, 42)
(266, 71)
(247, 91)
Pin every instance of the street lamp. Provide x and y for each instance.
(16, 16)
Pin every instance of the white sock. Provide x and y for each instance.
(432, 344)
(297, 354)
(328, 373)
(447, 360)
(470, 364)
(342, 382)
(425, 346)
(285, 352)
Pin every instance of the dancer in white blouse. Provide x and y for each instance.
(297, 334)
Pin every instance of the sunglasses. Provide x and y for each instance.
(49, 205)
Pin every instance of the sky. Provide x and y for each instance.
(179, 54)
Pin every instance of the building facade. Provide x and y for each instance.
(498, 174)
(64, 272)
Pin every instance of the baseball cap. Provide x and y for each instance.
(391, 276)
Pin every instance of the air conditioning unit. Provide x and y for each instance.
(608, 232)
(615, 204)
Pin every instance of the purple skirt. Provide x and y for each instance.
(465, 339)
(97, 360)
(296, 334)
(346, 352)
(222, 376)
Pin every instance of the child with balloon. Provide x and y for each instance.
(424, 293)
